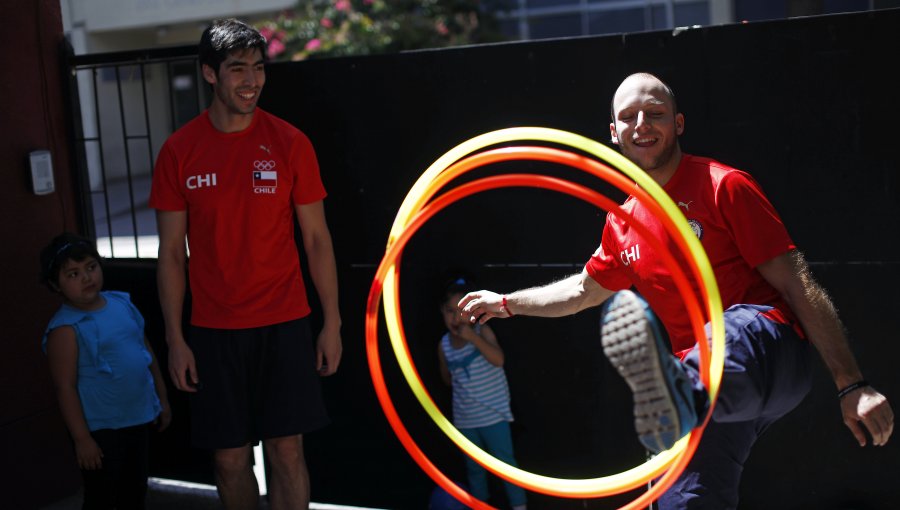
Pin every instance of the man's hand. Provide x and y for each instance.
(481, 306)
(328, 350)
(872, 409)
(182, 368)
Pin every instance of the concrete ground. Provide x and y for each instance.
(171, 495)
(162, 495)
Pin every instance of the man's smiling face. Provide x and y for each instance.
(645, 125)
(239, 81)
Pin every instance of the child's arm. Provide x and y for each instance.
(445, 371)
(165, 414)
(62, 354)
(485, 341)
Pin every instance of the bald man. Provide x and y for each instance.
(774, 311)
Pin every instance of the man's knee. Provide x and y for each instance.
(232, 462)
(285, 451)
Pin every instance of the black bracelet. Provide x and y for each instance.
(855, 386)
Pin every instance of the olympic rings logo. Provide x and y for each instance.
(263, 165)
(416, 210)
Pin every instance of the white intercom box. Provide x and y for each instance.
(41, 172)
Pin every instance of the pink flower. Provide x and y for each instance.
(266, 32)
(342, 5)
(441, 28)
(276, 47)
(313, 45)
(326, 22)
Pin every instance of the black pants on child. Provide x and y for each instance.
(121, 484)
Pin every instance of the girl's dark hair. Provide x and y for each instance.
(225, 36)
(66, 246)
(457, 285)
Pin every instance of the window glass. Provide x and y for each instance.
(836, 6)
(694, 13)
(614, 22)
(551, 3)
(660, 17)
(565, 25)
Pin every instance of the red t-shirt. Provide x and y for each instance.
(239, 191)
(737, 226)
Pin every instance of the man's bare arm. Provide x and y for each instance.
(323, 271)
(790, 275)
(170, 281)
(564, 297)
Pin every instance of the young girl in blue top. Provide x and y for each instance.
(471, 363)
(107, 380)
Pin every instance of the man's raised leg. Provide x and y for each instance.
(635, 343)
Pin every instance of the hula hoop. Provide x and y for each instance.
(386, 281)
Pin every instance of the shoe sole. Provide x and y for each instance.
(630, 344)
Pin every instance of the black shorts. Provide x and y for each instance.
(255, 384)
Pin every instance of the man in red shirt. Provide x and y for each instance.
(774, 308)
(232, 180)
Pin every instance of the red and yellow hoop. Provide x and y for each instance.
(416, 210)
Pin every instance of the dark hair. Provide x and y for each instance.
(666, 87)
(66, 246)
(457, 285)
(225, 36)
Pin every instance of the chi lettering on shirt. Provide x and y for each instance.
(239, 191)
(737, 226)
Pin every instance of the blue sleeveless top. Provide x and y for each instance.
(480, 390)
(114, 380)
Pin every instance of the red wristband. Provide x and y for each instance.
(505, 307)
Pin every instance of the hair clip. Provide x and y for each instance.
(61, 249)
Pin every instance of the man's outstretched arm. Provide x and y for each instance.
(564, 297)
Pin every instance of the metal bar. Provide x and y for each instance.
(201, 86)
(145, 55)
(171, 86)
(524, 26)
(585, 18)
(149, 137)
(102, 164)
(75, 134)
(127, 157)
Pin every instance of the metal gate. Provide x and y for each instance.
(124, 106)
